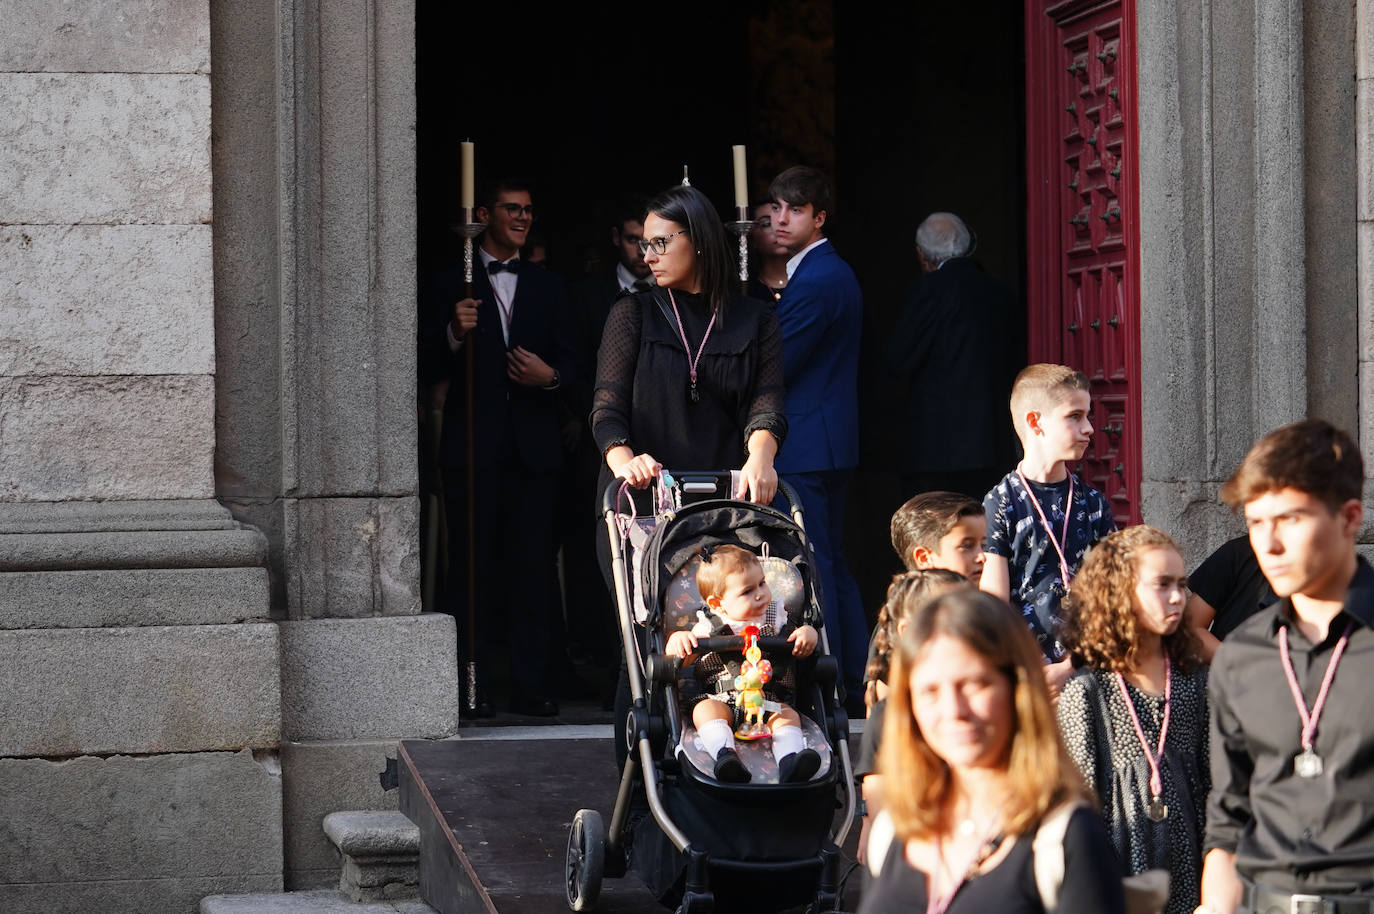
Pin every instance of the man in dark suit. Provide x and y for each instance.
(590, 613)
(821, 315)
(958, 345)
(517, 325)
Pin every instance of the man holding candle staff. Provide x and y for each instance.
(821, 315)
(518, 323)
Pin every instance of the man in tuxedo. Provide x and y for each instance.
(821, 315)
(589, 611)
(517, 325)
(957, 345)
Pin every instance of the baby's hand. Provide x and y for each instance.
(803, 641)
(681, 644)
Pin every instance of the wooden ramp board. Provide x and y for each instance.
(494, 808)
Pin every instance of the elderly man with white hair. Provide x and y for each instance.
(959, 342)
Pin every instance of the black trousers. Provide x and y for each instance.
(513, 561)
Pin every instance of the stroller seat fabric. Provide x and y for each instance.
(682, 600)
(757, 755)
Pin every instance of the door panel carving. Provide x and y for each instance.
(1083, 275)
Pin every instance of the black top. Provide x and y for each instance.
(1294, 834)
(1100, 735)
(1092, 879)
(1231, 582)
(642, 390)
(955, 349)
(868, 744)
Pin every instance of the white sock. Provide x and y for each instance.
(787, 740)
(715, 735)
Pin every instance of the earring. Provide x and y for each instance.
(698, 250)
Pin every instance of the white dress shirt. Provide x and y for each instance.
(797, 257)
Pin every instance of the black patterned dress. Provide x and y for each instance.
(1100, 736)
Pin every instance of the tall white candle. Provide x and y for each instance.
(741, 181)
(467, 191)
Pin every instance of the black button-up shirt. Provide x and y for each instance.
(1294, 834)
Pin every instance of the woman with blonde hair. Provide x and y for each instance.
(1135, 717)
(976, 774)
(906, 592)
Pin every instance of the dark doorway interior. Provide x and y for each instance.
(911, 107)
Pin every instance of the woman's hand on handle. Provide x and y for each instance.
(758, 479)
(637, 469)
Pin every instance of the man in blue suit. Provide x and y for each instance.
(821, 314)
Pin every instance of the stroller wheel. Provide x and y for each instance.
(586, 859)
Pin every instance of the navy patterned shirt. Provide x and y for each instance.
(1016, 533)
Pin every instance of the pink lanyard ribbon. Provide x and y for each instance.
(692, 365)
(1157, 756)
(1064, 574)
(1309, 721)
(938, 904)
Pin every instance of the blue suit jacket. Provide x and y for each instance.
(821, 314)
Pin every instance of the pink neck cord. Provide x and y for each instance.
(1068, 509)
(1154, 758)
(692, 365)
(1309, 721)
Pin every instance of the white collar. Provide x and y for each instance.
(627, 279)
(487, 258)
(797, 258)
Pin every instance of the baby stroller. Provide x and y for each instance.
(701, 845)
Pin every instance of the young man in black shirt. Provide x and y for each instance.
(1290, 821)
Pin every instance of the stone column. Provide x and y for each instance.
(1247, 240)
(1364, 151)
(314, 164)
(139, 680)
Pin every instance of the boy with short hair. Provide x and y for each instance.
(1292, 741)
(1041, 518)
(941, 530)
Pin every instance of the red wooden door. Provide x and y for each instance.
(1083, 298)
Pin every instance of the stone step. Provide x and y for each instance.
(381, 854)
(322, 901)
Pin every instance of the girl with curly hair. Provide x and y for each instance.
(1134, 717)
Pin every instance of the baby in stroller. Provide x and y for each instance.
(731, 581)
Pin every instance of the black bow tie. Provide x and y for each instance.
(497, 266)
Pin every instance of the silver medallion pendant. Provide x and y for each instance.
(1308, 764)
(1156, 810)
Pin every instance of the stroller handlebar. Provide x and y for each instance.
(698, 485)
(665, 669)
(735, 644)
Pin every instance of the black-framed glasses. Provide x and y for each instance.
(659, 244)
(515, 209)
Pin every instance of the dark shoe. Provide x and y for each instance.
(730, 769)
(534, 706)
(799, 766)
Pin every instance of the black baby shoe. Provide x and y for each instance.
(797, 767)
(729, 768)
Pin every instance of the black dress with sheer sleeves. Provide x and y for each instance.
(643, 395)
